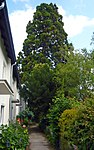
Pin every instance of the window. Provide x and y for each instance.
(2, 115)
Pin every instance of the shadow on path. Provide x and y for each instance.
(38, 141)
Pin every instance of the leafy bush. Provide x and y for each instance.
(77, 126)
(26, 113)
(66, 122)
(59, 105)
(13, 137)
(25, 116)
(43, 123)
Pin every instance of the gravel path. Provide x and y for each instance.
(38, 140)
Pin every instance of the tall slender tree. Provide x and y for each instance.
(46, 38)
(46, 43)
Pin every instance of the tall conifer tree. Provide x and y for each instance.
(46, 43)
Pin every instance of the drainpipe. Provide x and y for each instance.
(12, 66)
(2, 5)
(14, 106)
(11, 106)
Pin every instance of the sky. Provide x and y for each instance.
(78, 18)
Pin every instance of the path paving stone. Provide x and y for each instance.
(38, 141)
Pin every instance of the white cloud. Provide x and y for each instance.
(73, 25)
(21, 0)
(18, 22)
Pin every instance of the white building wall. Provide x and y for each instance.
(14, 110)
(4, 101)
(8, 110)
(17, 107)
(5, 63)
(5, 70)
(14, 98)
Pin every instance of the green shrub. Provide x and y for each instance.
(77, 126)
(43, 123)
(25, 117)
(59, 105)
(26, 114)
(13, 137)
(66, 122)
(25, 121)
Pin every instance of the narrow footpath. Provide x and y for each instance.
(38, 141)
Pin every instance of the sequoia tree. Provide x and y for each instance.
(46, 43)
(46, 38)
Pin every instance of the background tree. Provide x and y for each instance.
(46, 40)
(46, 43)
(92, 39)
(40, 88)
(76, 77)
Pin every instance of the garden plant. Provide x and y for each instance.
(13, 137)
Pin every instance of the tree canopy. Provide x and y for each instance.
(46, 45)
(75, 78)
(46, 40)
(54, 77)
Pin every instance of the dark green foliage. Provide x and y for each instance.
(45, 46)
(75, 78)
(25, 117)
(26, 114)
(60, 103)
(13, 137)
(77, 125)
(40, 88)
(46, 39)
(51, 73)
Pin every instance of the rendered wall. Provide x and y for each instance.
(5, 73)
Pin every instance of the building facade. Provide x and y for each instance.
(9, 79)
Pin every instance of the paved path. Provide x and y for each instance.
(38, 140)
